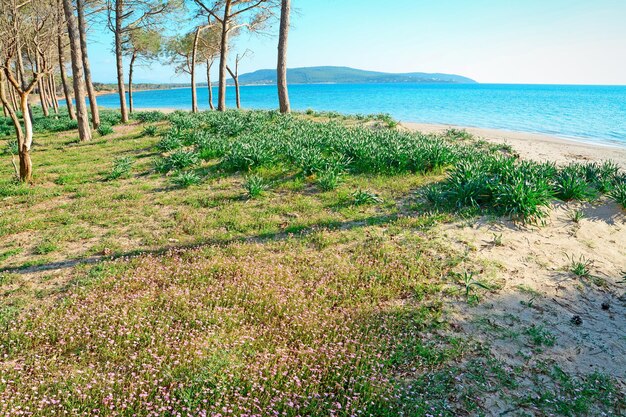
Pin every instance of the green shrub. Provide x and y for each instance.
(619, 194)
(361, 197)
(571, 184)
(150, 130)
(329, 179)
(184, 179)
(180, 159)
(105, 129)
(121, 168)
(254, 186)
(149, 116)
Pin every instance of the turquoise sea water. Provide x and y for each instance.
(590, 113)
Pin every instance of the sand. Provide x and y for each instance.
(538, 147)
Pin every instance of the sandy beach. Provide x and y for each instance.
(536, 146)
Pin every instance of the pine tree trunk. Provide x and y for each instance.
(209, 64)
(10, 109)
(283, 93)
(84, 129)
(26, 165)
(119, 14)
(235, 77)
(66, 89)
(82, 29)
(130, 82)
(221, 105)
(53, 94)
(43, 100)
(194, 52)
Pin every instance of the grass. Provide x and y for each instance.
(328, 296)
(581, 266)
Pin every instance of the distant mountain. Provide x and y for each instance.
(345, 75)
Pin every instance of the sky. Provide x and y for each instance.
(491, 41)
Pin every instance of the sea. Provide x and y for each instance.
(586, 113)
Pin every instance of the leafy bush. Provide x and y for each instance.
(329, 179)
(254, 186)
(150, 130)
(149, 116)
(619, 194)
(105, 129)
(184, 179)
(121, 168)
(361, 197)
(181, 159)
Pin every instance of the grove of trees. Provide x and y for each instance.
(39, 38)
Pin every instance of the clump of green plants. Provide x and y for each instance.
(184, 179)
(149, 116)
(470, 284)
(150, 130)
(255, 186)
(121, 168)
(576, 216)
(329, 180)
(540, 336)
(105, 129)
(619, 194)
(11, 147)
(581, 266)
(177, 160)
(364, 197)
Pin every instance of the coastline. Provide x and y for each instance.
(537, 146)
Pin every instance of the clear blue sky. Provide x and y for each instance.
(492, 41)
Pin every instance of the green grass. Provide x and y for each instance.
(327, 296)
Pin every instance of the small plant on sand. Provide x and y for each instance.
(254, 186)
(184, 179)
(581, 266)
(150, 130)
(361, 197)
(470, 284)
(105, 129)
(576, 216)
(539, 336)
(497, 240)
(570, 184)
(121, 168)
(619, 194)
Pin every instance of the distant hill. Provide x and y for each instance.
(345, 75)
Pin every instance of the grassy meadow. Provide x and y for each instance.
(254, 264)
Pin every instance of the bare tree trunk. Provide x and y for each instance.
(66, 89)
(13, 97)
(53, 94)
(119, 14)
(281, 77)
(9, 109)
(130, 81)
(43, 101)
(26, 165)
(22, 78)
(235, 77)
(84, 130)
(82, 29)
(194, 52)
(221, 105)
(209, 64)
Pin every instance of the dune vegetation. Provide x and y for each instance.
(252, 263)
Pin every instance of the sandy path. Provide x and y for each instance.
(537, 146)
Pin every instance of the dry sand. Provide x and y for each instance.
(536, 287)
(537, 146)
